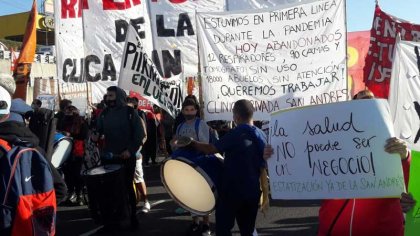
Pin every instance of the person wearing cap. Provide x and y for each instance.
(19, 110)
(5, 104)
(11, 131)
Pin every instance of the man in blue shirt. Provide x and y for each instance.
(239, 191)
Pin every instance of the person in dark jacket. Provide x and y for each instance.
(60, 114)
(122, 130)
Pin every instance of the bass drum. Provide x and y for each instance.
(63, 147)
(108, 201)
(192, 182)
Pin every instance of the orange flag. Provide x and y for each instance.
(26, 56)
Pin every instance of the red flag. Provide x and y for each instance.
(26, 56)
(378, 66)
(144, 104)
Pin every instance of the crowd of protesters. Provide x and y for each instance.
(136, 136)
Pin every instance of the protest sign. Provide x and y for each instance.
(412, 220)
(275, 58)
(74, 90)
(334, 151)
(70, 48)
(144, 104)
(69, 40)
(404, 97)
(139, 74)
(39, 58)
(174, 34)
(48, 101)
(378, 66)
(90, 39)
(45, 86)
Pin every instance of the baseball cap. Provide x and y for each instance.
(5, 101)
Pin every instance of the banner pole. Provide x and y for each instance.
(58, 89)
(83, 75)
(200, 80)
(346, 46)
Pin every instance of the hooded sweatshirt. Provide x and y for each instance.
(121, 127)
(12, 131)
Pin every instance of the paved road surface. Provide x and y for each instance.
(288, 218)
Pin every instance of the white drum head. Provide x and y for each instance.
(188, 187)
(100, 170)
(61, 152)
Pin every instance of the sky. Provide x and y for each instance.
(359, 12)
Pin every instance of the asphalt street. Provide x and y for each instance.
(289, 218)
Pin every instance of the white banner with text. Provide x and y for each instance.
(276, 58)
(139, 74)
(334, 151)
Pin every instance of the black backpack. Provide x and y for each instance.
(43, 125)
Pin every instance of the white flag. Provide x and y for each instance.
(404, 95)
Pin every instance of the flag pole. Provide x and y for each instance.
(347, 70)
(200, 79)
(83, 75)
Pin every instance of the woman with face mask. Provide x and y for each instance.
(75, 127)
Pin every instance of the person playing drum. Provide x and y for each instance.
(121, 126)
(239, 191)
(195, 129)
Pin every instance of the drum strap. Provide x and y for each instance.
(5, 145)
